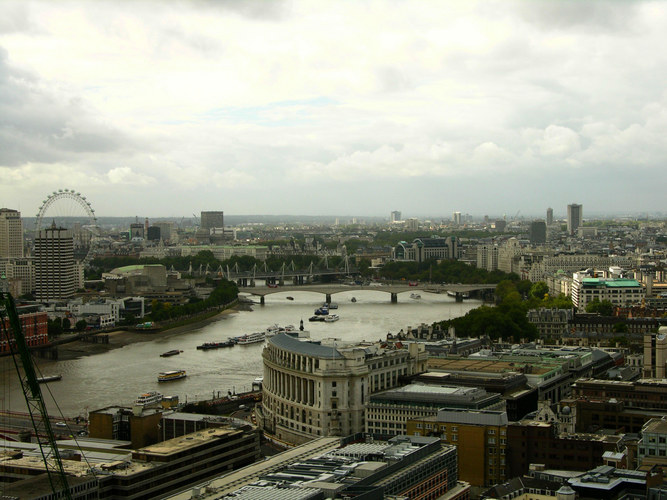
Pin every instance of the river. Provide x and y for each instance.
(117, 377)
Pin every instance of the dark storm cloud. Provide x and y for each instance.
(36, 125)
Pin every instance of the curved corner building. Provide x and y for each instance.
(320, 388)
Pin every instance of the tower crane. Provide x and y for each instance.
(33, 396)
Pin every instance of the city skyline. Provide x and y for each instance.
(320, 109)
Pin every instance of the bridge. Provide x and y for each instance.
(287, 272)
(458, 291)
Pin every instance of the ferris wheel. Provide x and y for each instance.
(69, 209)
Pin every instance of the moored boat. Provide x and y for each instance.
(322, 311)
(171, 375)
(415, 296)
(330, 318)
(316, 318)
(148, 398)
(251, 338)
(173, 352)
(49, 378)
(353, 299)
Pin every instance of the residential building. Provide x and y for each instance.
(574, 218)
(56, 275)
(315, 389)
(34, 325)
(487, 257)
(479, 435)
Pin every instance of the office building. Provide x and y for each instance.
(11, 233)
(652, 447)
(479, 435)
(56, 274)
(574, 218)
(422, 249)
(550, 216)
(314, 389)
(620, 291)
(212, 219)
(395, 216)
(456, 218)
(538, 232)
(137, 231)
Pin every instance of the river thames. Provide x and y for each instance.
(117, 377)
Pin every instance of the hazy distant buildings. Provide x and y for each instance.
(55, 270)
(574, 218)
(456, 218)
(395, 216)
(11, 233)
(137, 231)
(550, 216)
(412, 224)
(538, 232)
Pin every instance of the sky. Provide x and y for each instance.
(154, 108)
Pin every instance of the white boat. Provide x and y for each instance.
(251, 338)
(415, 296)
(148, 398)
(275, 329)
(171, 375)
(331, 318)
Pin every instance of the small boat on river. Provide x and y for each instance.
(251, 338)
(330, 318)
(215, 345)
(173, 352)
(148, 398)
(171, 375)
(49, 378)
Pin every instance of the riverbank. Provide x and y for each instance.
(121, 338)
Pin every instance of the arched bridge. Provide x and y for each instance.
(458, 291)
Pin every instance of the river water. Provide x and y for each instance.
(119, 376)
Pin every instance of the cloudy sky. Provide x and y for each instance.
(334, 107)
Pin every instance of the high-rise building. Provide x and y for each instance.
(55, 269)
(395, 216)
(456, 218)
(210, 220)
(11, 233)
(574, 217)
(655, 354)
(538, 232)
(550, 216)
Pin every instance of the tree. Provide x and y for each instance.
(539, 290)
(67, 325)
(604, 308)
(80, 325)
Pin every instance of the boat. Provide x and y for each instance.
(149, 398)
(316, 318)
(173, 352)
(275, 329)
(415, 296)
(353, 299)
(322, 311)
(49, 378)
(330, 318)
(289, 297)
(171, 375)
(251, 338)
(215, 345)
(330, 305)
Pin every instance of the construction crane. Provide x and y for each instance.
(33, 397)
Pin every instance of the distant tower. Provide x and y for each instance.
(456, 218)
(538, 232)
(395, 216)
(11, 233)
(574, 217)
(55, 271)
(550, 216)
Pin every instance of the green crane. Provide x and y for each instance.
(33, 397)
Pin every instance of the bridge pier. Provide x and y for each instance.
(261, 300)
(252, 282)
(459, 297)
(328, 299)
(394, 298)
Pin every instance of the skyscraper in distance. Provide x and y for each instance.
(55, 270)
(395, 216)
(550, 216)
(11, 233)
(574, 217)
